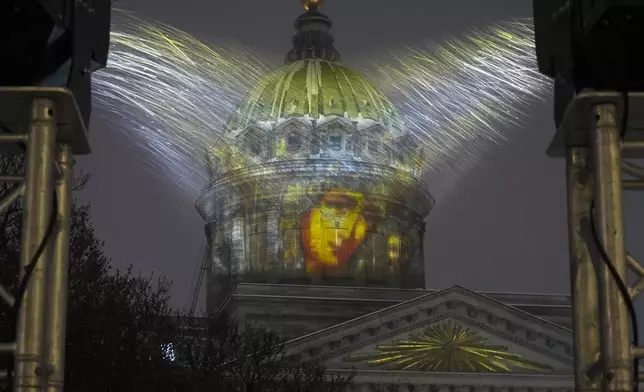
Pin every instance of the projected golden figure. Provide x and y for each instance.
(396, 249)
(333, 229)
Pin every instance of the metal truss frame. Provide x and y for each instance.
(591, 138)
(45, 126)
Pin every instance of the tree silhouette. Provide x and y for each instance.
(218, 356)
(115, 319)
(123, 336)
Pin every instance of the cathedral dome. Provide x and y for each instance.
(314, 180)
(315, 107)
(315, 88)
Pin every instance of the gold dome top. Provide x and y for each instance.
(312, 5)
(314, 88)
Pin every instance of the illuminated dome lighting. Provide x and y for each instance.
(315, 89)
(316, 108)
(315, 180)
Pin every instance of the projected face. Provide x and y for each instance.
(333, 229)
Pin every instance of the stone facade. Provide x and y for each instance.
(339, 326)
(295, 310)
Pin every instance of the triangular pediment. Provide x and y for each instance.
(330, 123)
(293, 124)
(251, 130)
(374, 129)
(454, 330)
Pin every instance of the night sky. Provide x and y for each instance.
(503, 229)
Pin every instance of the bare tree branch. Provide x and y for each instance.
(249, 360)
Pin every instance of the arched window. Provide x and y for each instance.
(335, 142)
(291, 248)
(294, 105)
(357, 146)
(374, 146)
(293, 142)
(256, 147)
(400, 154)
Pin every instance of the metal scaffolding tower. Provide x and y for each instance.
(599, 133)
(43, 124)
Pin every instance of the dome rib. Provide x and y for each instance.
(314, 88)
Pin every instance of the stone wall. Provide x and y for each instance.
(295, 311)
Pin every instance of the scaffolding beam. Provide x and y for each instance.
(582, 272)
(44, 125)
(590, 138)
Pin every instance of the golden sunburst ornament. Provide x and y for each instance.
(448, 347)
